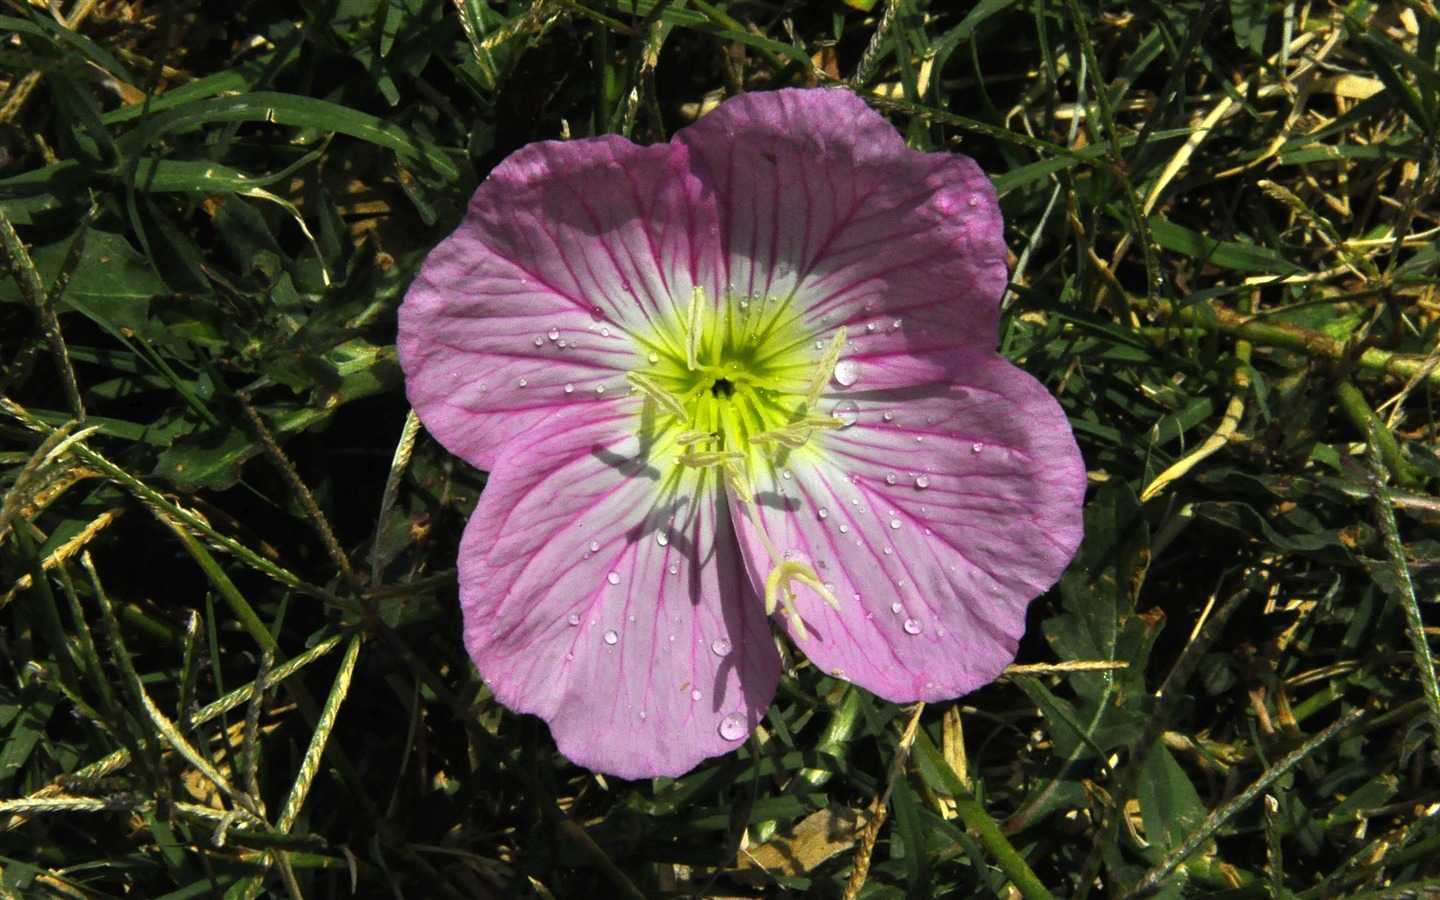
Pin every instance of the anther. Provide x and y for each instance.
(652, 389)
(826, 369)
(692, 329)
(708, 458)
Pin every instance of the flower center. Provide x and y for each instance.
(736, 389)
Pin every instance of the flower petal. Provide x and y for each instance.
(821, 200)
(936, 517)
(611, 601)
(535, 302)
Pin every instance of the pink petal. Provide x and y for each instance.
(567, 251)
(609, 599)
(820, 199)
(936, 527)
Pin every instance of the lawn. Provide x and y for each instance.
(231, 653)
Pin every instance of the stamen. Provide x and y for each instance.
(777, 584)
(795, 434)
(692, 329)
(652, 389)
(740, 487)
(708, 458)
(690, 438)
(827, 368)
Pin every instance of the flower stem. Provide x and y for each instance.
(972, 813)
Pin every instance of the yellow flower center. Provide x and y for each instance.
(735, 390)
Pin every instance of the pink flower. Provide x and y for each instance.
(744, 378)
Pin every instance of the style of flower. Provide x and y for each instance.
(746, 378)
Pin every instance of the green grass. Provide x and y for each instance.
(230, 661)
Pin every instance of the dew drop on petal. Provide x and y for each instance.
(539, 342)
(599, 388)
(847, 372)
(922, 482)
(888, 416)
(594, 545)
(696, 695)
(894, 523)
(720, 647)
(654, 358)
(553, 334)
(569, 388)
(611, 637)
(674, 569)
(733, 727)
(846, 411)
(522, 382)
(844, 529)
(823, 513)
(888, 550)
(574, 619)
(890, 479)
(661, 539)
(912, 626)
(976, 447)
(613, 578)
(896, 607)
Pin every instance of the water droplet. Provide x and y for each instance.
(785, 474)
(869, 326)
(733, 727)
(599, 388)
(912, 626)
(895, 325)
(674, 569)
(844, 529)
(553, 334)
(846, 411)
(604, 332)
(823, 513)
(613, 578)
(888, 550)
(625, 286)
(720, 647)
(569, 388)
(594, 545)
(976, 447)
(522, 382)
(574, 619)
(611, 637)
(922, 482)
(896, 607)
(661, 539)
(561, 345)
(894, 523)
(847, 372)
(539, 342)
(654, 358)
(888, 416)
(973, 201)
(890, 479)
(696, 695)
